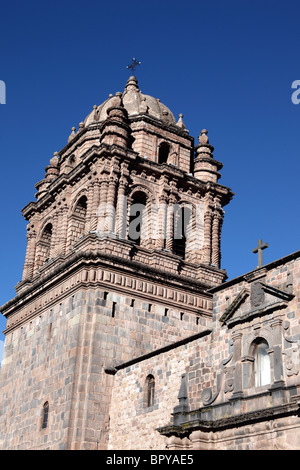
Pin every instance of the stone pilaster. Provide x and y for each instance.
(276, 325)
(238, 371)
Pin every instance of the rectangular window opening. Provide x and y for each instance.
(113, 311)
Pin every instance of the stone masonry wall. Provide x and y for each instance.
(132, 424)
(59, 356)
(223, 353)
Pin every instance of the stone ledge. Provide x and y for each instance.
(188, 426)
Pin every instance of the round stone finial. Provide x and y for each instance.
(72, 135)
(54, 160)
(132, 84)
(52, 171)
(180, 122)
(203, 139)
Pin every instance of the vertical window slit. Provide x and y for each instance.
(113, 311)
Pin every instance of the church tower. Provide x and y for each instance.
(123, 244)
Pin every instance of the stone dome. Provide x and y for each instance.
(135, 102)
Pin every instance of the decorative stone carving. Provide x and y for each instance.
(207, 396)
(257, 295)
(291, 352)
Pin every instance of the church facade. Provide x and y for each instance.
(124, 333)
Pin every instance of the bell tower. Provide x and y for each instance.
(123, 243)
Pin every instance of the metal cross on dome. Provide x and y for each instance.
(134, 64)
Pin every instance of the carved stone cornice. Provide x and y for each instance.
(197, 420)
(95, 268)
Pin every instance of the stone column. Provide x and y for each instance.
(93, 203)
(101, 210)
(216, 238)
(63, 222)
(162, 209)
(129, 204)
(207, 236)
(55, 239)
(110, 205)
(121, 212)
(30, 254)
(170, 225)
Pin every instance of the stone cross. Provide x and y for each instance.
(134, 64)
(260, 246)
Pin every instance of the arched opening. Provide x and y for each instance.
(261, 363)
(163, 152)
(150, 390)
(138, 220)
(183, 218)
(46, 239)
(43, 246)
(77, 221)
(45, 415)
(81, 207)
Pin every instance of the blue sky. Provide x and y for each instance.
(227, 66)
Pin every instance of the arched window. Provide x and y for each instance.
(77, 222)
(163, 152)
(81, 207)
(45, 415)
(262, 367)
(72, 160)
(150, 390)
(46, 239)
(138, 220)
(43, 246)
(183, 216)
